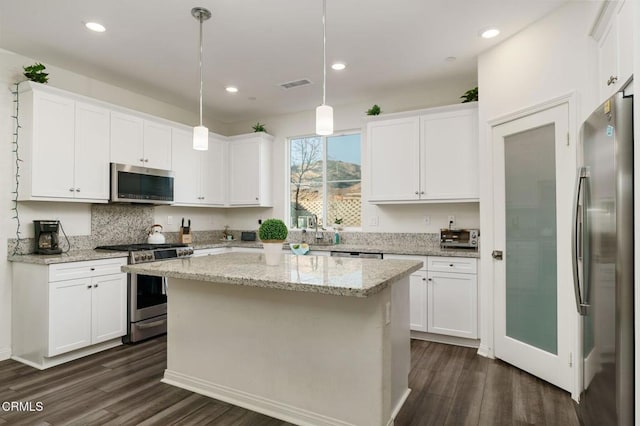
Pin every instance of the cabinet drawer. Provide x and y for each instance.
(92, 268)
(422, 259)
(462, 265)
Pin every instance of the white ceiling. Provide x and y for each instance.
(151, 46)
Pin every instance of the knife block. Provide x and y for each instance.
(185, 238)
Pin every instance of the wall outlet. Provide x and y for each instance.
(373, 221)
(259, 221)
(169, 220)
(451, 222)
(427, 220)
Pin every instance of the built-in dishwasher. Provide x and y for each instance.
(356, 254)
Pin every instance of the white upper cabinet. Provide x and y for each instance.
(393, 148)
(64, 147)
(200, 176)
(250, 170)
(614, 33)
(424, 156)
(450, 140)
(140, 142)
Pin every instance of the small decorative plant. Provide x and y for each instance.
(338, 221)
(273, 230)
(36, 73)
(470, 95)
(259, 127)
(374, 110)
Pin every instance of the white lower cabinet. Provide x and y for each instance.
(65, 311)
(443, 296)
(211, 251)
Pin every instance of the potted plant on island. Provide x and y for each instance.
(273, 233)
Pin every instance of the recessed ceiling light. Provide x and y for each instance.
(338, 66)
(231, 89)
(94, 26)
(489, 33)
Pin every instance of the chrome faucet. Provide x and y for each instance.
(318, 235)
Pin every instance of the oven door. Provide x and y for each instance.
(148, 297)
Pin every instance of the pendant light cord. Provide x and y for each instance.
(324, 52)
(200, 19)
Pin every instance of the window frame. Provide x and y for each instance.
(287, 181)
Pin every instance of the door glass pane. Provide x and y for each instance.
(530, 202)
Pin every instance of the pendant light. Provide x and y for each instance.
(200, 133)
(324, 113)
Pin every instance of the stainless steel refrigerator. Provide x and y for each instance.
(603, 263)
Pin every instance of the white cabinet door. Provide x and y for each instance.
(109, 307)
(625, 41)
(450, 138)
(453, 304)
(157, 145)
(126, 139)
(244, 172)
(53, 146)
(393, 148)
(91, 152)
(608, 74)
(213, 172)
(69, 315)
(418, 301)
(186, 166)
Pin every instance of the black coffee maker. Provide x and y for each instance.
(46, 236)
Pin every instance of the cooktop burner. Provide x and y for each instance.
(140, 247)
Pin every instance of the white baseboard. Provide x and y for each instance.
(398, 407)
(485, 351)
(441, 338)
(42, 363)
(249, 401)
(5, 354)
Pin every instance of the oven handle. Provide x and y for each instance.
(152, 324)
(165, 286)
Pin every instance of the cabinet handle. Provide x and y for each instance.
(77, 189)
(146, 160)
(89, 286)
(421, 192)
(95, 286)
(142, 160)
(424, 279)
(417, 193)
(71, 189)
(430, 279)
(93, 269)
(451, 265)
(257, 198)
(612, 80)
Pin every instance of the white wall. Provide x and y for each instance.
(551, 58)
(351, 117)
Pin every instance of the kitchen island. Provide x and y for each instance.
(314, 340)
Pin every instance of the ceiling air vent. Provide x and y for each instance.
(296, 83)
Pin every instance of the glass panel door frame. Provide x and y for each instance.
(563, 371)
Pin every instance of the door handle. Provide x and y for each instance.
(497, 254)
(575, 234)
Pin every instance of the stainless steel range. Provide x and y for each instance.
(147, 295)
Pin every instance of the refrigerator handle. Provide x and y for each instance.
(576, 233)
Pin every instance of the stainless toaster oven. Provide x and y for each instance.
(459, 238)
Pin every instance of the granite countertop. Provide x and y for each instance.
(82, 255)
(391, 249)
(317, 274)
(71, 256)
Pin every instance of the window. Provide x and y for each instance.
(325, 180)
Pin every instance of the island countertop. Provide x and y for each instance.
(318, 274)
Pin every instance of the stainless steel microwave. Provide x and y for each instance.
(134, 184)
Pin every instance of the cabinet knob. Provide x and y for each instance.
(417, 192)
(146, 160)
(451, 265)
(430, 279)
(89, 286)
(95, 286)
(142, 160)
(421, 192)
(424, 279)
(92, 269)
(77, 189)
(71, 189)
(257, 198)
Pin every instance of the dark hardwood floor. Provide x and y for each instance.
(450, 385)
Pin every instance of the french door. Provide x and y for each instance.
(534, 166)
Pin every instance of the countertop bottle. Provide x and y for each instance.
(336, 238)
